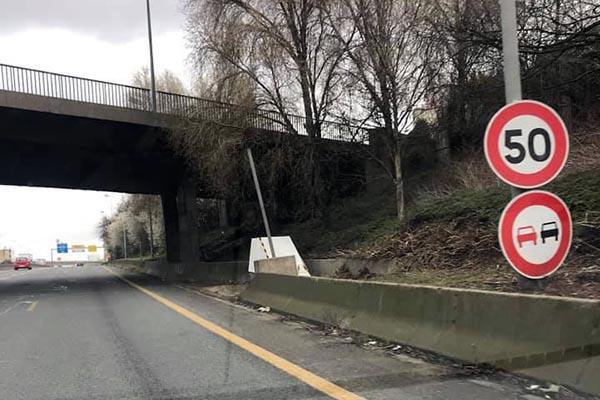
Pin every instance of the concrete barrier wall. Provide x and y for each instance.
(208, 272)
(237, 270)
(551, 338)
(278, 265)
(219, 271)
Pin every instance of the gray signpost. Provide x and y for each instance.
(510, 52)
(260, 202)
(556, 151)
(512, 84)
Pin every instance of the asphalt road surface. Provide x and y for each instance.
(85, 333)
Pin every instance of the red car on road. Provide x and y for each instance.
(526, 234)
(22, 262)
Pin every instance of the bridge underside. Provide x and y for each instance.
(55, 142)
(58, 143)
(52, 150)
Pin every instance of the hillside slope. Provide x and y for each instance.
(452, 240)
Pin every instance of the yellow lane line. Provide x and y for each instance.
(324, 386)
(32, 306)
(199, 293)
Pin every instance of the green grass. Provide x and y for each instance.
(367, 218)
(349, 222)
(483, 205)
(580, 191)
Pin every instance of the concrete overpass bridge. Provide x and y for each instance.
(69, 132)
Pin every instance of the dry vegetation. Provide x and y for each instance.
(451, 238)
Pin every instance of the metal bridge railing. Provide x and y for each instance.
(42, 83)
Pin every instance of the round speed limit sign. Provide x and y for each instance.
(526, 144)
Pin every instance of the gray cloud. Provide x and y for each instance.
(110, 20)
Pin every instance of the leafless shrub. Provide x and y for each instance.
(469, 172)
(584, 153)
(212, 148)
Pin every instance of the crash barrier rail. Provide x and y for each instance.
(42, 83)
(550, 338)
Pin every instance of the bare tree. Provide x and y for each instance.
(558, 45)
(147, 210)
(284, 47)
(451, 24)
(103, 232)
(166, 81)
(287, 50)
(140, 216)
(227, 84)
(390, 61)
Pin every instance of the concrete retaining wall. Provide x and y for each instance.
(327, 266)
(551, 338)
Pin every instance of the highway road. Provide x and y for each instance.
(98, 333)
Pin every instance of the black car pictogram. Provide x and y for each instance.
(549, 229)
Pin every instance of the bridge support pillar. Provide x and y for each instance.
(180, 212)
(189, 232)
(171, 221)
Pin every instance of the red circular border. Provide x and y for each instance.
(522, 266)
(558, 130)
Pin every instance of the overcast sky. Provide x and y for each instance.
(99, 39)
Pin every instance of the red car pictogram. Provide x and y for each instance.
(526, 234)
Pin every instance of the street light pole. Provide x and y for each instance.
(152, 78)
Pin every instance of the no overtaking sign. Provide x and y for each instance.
(535, 233)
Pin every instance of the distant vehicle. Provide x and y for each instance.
(40, 261)
(526, 234)
(79, 264)
(22, 262)
(549, 229)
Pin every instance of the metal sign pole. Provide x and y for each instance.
(510, 52)
(260, 201)
(512, 84)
